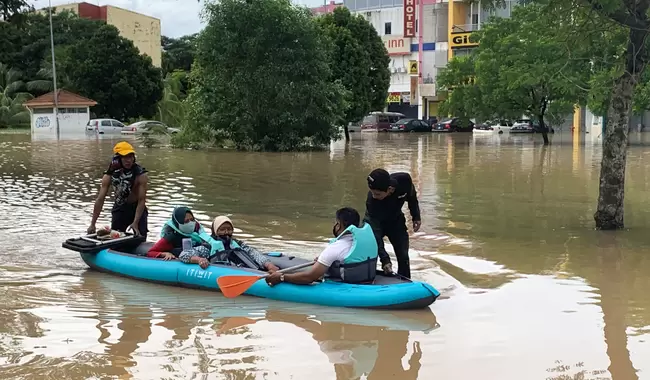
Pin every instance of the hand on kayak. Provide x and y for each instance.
(91, 229)
(134, 228)
(388, 268)
(416, 225)
(166, 256)
(273, 279)
(203, 263)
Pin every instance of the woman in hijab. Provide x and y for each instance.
(170, 245)
(222, 230)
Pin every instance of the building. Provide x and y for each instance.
(421, 37)
(326, 8)
(73, 112)
(143, 30)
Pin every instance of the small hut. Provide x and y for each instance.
(73, 111)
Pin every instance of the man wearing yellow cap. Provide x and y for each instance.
(130, 183)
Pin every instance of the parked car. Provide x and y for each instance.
(354, 127)
(527, 126)
(455, 124)
(104, 126)
(141, 127)
(410, 125)
(485, 128)
(380, 121)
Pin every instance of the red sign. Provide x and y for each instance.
(409, 18)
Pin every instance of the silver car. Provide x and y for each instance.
(142, 127)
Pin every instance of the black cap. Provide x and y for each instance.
(379, 179)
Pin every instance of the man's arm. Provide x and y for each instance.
(412, 199)
(317, 271)
(142, 182)
(101, 196)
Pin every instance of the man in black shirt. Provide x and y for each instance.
(386, 197)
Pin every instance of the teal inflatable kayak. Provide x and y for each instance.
(127, 257)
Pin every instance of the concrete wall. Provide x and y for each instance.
(72, 122)
(143, 30)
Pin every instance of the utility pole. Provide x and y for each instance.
(56, 92)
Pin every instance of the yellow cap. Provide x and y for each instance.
(123, 148)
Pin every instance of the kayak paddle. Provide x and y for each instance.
(233, 286)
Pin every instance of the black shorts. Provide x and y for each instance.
(122, 217)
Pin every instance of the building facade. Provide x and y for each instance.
(420, 37)
(143, 30)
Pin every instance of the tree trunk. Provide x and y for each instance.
(542, 126)
(347, 133)
(610, 215)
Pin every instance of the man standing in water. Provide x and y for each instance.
(130, 183)
(386, 197)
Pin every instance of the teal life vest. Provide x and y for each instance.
(203, 237)
(235, 255)
(360, 265)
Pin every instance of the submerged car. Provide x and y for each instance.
(144, 127)
(410, 125)
(455, 124)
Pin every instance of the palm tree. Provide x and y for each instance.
(13, 93)
(171, 109)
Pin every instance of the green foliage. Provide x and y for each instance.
(262, 78)
(178, 53)
(14, 91)
(359, 61)
(13, 10)
(171, 108)
(523, 65)
(124, 83)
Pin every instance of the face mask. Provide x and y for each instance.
(188, 227)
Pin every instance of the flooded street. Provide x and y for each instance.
(529, 289)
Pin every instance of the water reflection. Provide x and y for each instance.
(530, 290)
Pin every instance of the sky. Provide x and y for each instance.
(177, 17)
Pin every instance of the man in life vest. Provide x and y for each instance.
(350, 256)
(130, 183)
(386, 197)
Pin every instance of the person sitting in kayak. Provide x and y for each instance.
(350, 256)
(205, 247)
(222, 230)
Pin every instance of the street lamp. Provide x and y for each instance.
(56, 94)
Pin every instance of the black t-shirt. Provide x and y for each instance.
(389, 209)
(123, 181)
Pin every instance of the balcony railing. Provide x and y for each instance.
(464, 28)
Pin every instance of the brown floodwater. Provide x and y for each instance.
(530, 289)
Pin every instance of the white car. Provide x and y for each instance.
(104, 126)
(140, 127)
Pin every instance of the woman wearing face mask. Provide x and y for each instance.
(237, 250)
(181, 226)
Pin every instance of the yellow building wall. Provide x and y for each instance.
(143, 30)
(74, 8)
(456, 15)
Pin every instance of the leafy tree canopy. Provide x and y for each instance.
(524, 65)
(262, 78)
(359, 60)
(123, 82)
(13, 10)
(178, 53)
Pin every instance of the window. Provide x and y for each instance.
(82, 110)
(117, 124)
(383, 118)
(106, 123)
(474, 21)
(387, 28)
(43, 110)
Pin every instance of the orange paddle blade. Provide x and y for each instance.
(232, 286)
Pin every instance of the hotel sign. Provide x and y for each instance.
(409, 18)
(461, 40)
(397, 46)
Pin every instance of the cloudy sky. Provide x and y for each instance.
(178, 17)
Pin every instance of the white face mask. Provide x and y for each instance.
(188, 227)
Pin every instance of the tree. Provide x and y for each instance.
(12, 10)
(524, 65)
(171, 109)
(359, 60)
(13, 93)
(262, 79)
(124, 83)
(178, 53)
(625, 76)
